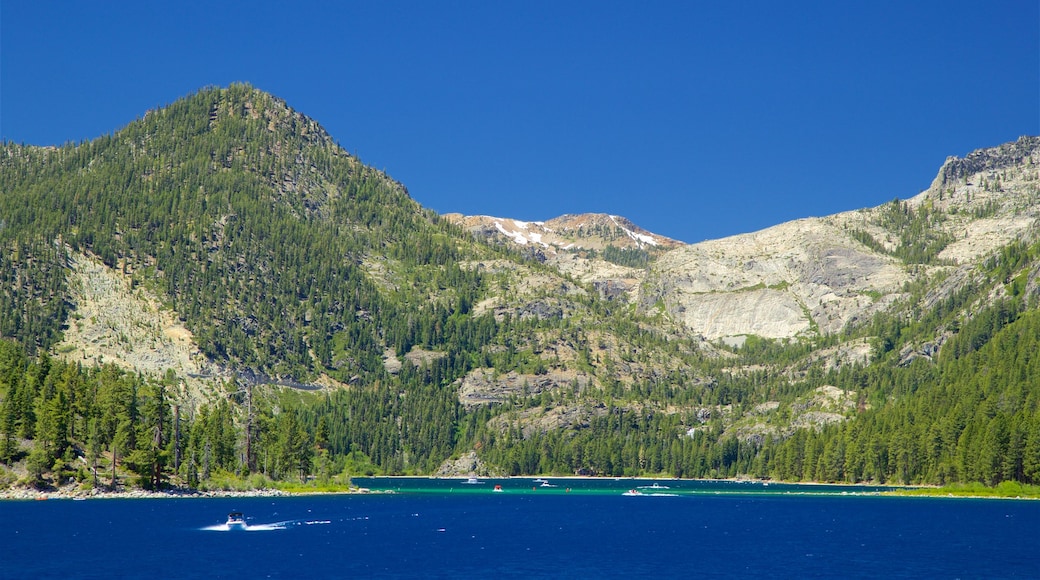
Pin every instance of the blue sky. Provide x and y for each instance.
(696, 120)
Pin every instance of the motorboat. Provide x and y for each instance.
(633, 492)
(654, 486)
(472, 481)
(236, 521)
(498, 488)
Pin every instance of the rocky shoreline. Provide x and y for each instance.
(79, 494)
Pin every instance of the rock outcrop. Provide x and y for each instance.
(484, 387)
(1020, 153)
(820, 407)
(782, 282)
(114, 322)
(468, 465)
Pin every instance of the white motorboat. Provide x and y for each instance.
(236, 521)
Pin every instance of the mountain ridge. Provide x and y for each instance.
(585, 231)
(819, 273)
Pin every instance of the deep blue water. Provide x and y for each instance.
(450, 529)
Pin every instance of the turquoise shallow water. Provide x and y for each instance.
(605, 486)
(444, 528)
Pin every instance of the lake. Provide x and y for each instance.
(566, 528)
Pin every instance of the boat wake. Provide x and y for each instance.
(271, 527)
(636, 492)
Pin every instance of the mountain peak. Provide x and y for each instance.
(586, 231)
(272, 149)
(1012, 154)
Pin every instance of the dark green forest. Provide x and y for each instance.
(288, 258)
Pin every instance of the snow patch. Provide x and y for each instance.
(516, 236)
(643, 238)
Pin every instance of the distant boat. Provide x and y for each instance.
(547, 484)
(472, 481)
(539, 480)
(654, 486)
(633, 492)
(236, 521)
(498, 488)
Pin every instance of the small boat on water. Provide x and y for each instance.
(498, 488)
(236, 521)
(654, 486)
(472, 481)
(633, 492)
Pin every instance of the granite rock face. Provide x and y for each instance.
(1007, 156)
(484, 387)
(114, 322)
(780, 282)
(468, 465)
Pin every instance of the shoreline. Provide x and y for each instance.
(74, 493)
(27, 494)
(859, 488)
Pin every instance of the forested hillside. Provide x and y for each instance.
(344, 329)
(243, 214)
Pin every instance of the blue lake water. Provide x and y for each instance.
(449, 529)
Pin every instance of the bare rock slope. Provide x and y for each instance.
(113, 322)
(776, 283)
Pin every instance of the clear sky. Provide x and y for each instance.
(696, 120)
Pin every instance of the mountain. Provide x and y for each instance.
(223, 260)
(237, 215)
(810, 276)
(818, 275)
